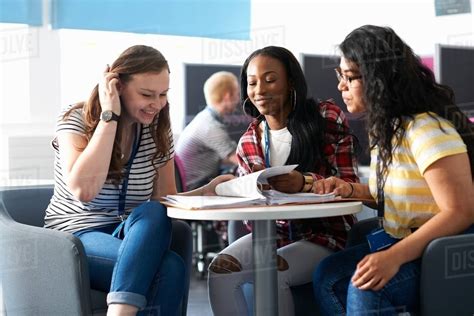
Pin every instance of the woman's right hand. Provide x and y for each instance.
(210, 188)
(109, 96)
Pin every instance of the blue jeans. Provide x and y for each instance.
(336, 295)
(139, 269)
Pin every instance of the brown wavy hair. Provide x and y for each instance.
(134, 60)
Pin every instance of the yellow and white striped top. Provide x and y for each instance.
(408, 199)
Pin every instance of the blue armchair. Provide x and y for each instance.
(45, 272)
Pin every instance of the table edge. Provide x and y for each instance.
(269, 212)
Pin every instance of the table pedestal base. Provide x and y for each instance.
(265, 268)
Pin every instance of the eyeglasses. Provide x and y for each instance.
(347, 80)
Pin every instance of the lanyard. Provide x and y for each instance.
(291, 227)
(380, 193)
(267, 145)
(123, 191)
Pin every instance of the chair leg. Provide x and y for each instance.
(200, 257)
(203, 252)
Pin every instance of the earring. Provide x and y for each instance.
(244, 105)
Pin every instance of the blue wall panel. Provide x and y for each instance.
(21, 11)
(229, 19)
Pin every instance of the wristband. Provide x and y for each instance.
(352, 190)
(308, 182)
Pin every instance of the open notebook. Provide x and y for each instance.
(246, 191)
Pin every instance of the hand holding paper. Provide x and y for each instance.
(250, 185)
(245, 191)
(210, 188)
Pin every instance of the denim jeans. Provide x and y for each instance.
(139, 269)
(336, 295)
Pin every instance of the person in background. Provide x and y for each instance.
(205, 145)
(417, 135)
(113, 161)
(289, 128)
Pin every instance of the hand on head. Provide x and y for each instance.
(109, 91)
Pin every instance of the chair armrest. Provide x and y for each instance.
(447, 276)
(42, 271)
(27, 204)
(236, 229)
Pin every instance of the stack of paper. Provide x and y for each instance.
(276, 197)
(246, 191)
(205, 202)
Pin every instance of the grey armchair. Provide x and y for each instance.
(447, 276)
(447, 271)
(45, 272)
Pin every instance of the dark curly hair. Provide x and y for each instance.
(305, 123)
(397, 85)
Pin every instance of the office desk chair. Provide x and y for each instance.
(206, 242)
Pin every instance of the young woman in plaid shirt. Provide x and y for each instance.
(289, 128)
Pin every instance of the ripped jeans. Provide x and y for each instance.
(139, 270)
(226, 278)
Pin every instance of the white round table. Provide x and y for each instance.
(264, 238)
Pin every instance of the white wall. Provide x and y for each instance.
(311, 26)
(43, 69)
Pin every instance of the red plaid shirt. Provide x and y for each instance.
(330, 232)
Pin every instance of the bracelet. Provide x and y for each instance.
(308, 182)
(352, 190)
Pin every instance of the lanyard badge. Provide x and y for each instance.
(379, 239)
(267, 145)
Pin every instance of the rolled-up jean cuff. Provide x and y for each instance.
(129, 298)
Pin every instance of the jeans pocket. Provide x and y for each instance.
(119, 231)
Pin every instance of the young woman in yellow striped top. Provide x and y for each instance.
(417, 135)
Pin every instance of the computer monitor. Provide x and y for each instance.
(322, 85)
(195, 77)
(454, 66)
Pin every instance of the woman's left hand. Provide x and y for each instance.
(289, 183)
(375, 270)
(332, 184)
(210, 188)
